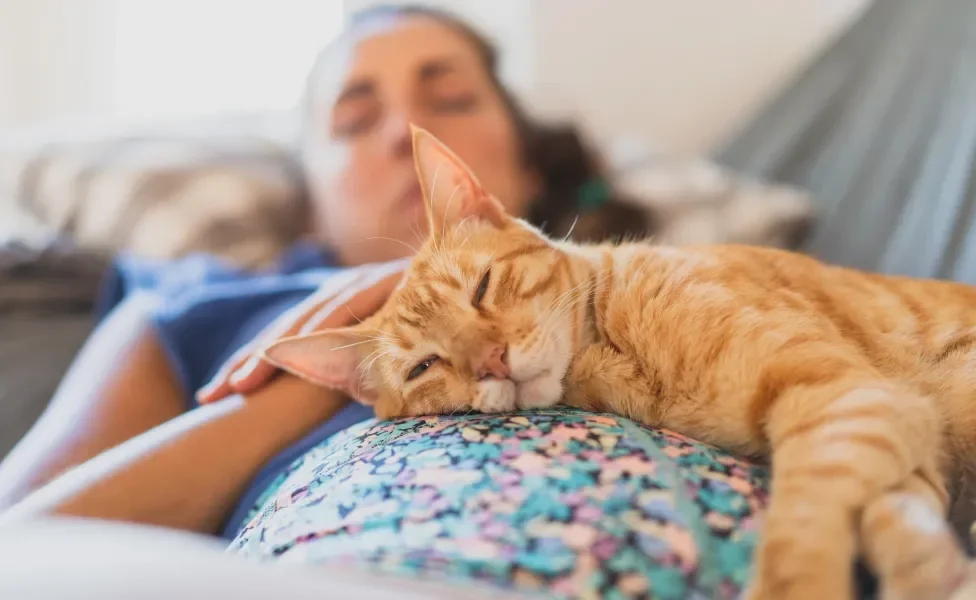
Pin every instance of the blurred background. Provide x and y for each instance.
(679, 74)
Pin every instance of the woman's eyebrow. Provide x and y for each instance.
(356, 89)
(433, 69)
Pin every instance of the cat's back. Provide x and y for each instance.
(730, 290)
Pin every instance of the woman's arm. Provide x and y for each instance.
(187, 473)
(119, 385)
(176, 469)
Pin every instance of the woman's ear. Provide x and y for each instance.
(452, 192)
(335, 359)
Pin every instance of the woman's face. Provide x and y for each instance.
(358, 153)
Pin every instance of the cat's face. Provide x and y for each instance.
(486, 317)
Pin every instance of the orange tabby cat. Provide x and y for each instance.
(857, 386)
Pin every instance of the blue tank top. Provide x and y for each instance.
(208, 311)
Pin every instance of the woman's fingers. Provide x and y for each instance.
(220, 386)
(348, 307)
(243, 372)
(344, 299)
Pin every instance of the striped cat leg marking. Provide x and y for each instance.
(836, 446)
(908, 542)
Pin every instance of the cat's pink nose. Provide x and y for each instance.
(491, 362)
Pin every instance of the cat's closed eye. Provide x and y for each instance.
(479, 295)
(422, 367)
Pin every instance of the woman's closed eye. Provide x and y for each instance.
(354, 122)
(421, 367)
(455, 102)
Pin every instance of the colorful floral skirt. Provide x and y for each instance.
(575, 504)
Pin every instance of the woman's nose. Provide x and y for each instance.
(398, 140)
(397, 131)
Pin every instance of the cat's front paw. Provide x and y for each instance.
(542, 392)
(494, 396)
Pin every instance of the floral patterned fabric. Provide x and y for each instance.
(577, 504)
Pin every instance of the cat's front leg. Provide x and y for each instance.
(908, 542)
(837, 444)
(603, 379)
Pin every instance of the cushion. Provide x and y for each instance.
(230, 186)
(572, 503)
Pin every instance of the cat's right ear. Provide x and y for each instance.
(452, 192)
(335, 359)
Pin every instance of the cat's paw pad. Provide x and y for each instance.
(541, 392)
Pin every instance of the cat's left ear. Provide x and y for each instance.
(452, 192)
(335, 359)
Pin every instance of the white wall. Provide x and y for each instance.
(55, 59)
(185, 57)
(681, 74)
(93, 60)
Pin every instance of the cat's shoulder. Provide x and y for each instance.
(707, 255)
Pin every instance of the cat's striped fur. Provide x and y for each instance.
(859, 387)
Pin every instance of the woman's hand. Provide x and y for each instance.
(342, 300)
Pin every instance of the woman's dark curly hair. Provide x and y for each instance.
(575, 198)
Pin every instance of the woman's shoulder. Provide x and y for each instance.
(195, 278)
(205, 308)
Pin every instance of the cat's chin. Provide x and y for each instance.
(543, 391)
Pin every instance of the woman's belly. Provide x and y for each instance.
(570, 502)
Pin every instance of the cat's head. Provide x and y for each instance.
(485, 318)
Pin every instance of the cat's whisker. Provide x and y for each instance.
(447, 211)
(568, 302)
(353, 345)
(379, 353)
(430, 198)
(433, 182)
(362, 373)
(565, 297)
(457, 230)
(419, 234)
(571, 228)
(552, 320)
(457, 227)
(389, 239)
(382, 334)
(554, 308)
(369, 338)
(376, 358)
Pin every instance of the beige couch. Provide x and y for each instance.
(231, 186)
